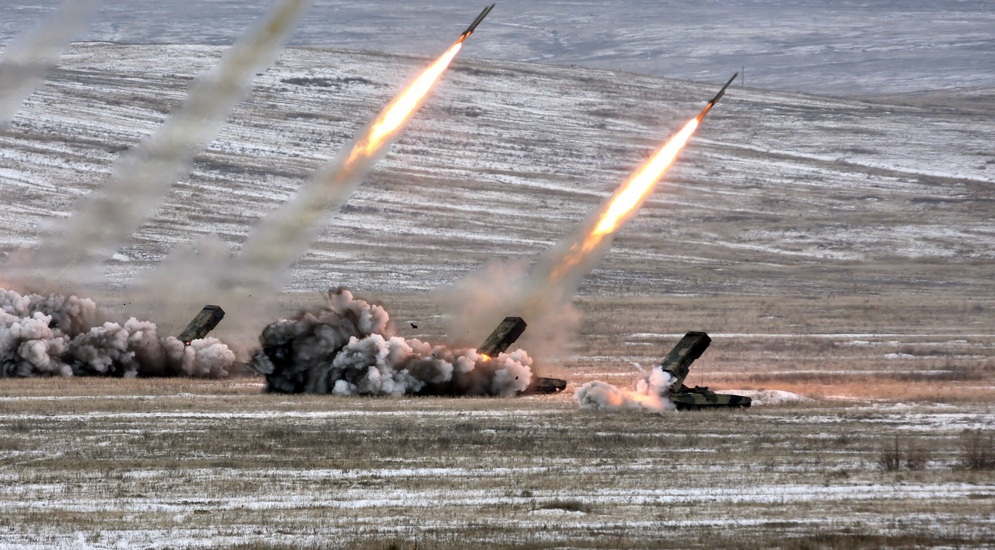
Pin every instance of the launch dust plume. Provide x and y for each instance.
(56, 335)
(349, 347)
(106, 218)
(32, 53)
(543, 294)
(649, 393)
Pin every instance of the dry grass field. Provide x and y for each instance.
(883, 453)
(836, 249)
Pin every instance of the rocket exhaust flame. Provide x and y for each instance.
(286, 234)
(31, 54)
(624, 204)
(400, 110)
(543, 294)
(108, 217)
(247, 286)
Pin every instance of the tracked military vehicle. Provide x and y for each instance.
(502, 338)
(202, 324)
(678, 362)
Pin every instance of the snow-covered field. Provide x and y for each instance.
(195, 464)
(777, 193)
(837, 246)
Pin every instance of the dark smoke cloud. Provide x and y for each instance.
(59, 335)
(349, 348)
(32, 53)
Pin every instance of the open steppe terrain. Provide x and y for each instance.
(838, 249)
(181, 463)
(877, 454)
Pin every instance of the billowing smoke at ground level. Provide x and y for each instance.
(59, 335)
(349, 348)
(650, 393)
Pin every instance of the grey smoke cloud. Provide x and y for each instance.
(57, 335)
(477, 303)
(542, 294)
(349, 348)
(650, 393)
(31, 54)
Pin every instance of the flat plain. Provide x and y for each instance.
(845, 448)
(839, 252)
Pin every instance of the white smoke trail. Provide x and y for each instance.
(248, 286)
(61, 336)
(651, 393)
(541, 294)
(286, 234)
(32, 53)
(349, 348)
(107, 217)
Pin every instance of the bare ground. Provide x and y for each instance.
(184, 463)
(839, 250)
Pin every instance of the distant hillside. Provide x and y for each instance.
(835, 48)
(776, 194)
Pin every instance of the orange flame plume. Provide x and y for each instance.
(395, 114)
(283, 236)
(626, 201)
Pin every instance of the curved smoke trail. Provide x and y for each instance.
(109, 216)
(349, 348)
(32, 53)
(58, 335)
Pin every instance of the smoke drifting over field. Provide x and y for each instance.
(63, 336)
(478, 302)
(349, 348)
(107, 217)
(32, 53)
(543, 294)
(650, 393)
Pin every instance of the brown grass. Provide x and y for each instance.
(223, 464)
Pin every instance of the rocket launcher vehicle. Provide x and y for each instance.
(678, 363)
(502, 338)
(202, 324)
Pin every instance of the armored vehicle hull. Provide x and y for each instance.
(678, 363)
